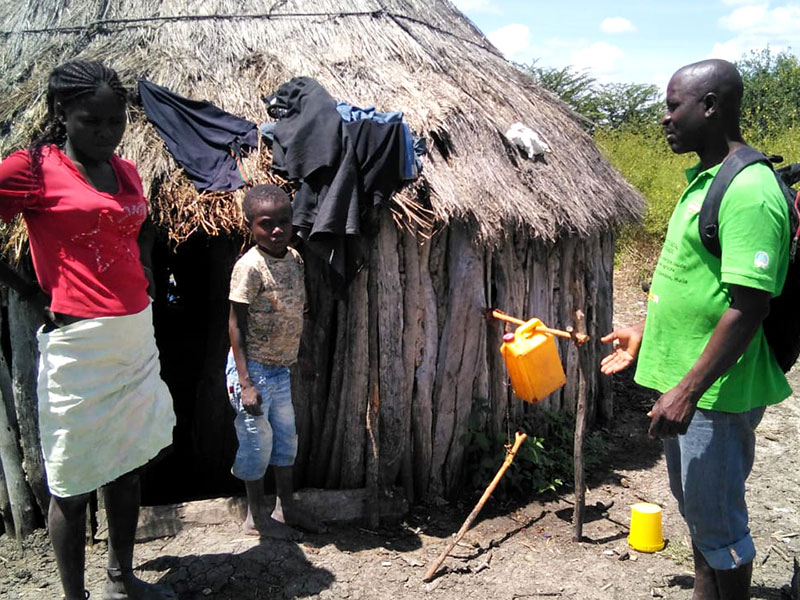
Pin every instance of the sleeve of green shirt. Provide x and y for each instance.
(754, 231)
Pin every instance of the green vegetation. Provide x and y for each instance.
(771, 102)
(626, 128)
(543, 462)
(609, 105)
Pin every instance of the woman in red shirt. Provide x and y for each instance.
(103, 409)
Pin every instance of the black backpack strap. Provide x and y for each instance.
(708, 221)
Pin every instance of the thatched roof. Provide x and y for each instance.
(419, 56)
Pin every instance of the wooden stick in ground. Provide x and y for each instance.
(519, 438)
(580, 432)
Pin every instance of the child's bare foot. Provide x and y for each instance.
(275, 529)
(260, 526)
(249, 526)
(292, 513)
(126, 586)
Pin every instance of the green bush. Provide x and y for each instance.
(771, 101)
(543, 462)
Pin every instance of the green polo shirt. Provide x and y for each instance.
(690, 289)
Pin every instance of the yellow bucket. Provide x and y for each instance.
(532, 361)
(645, 534)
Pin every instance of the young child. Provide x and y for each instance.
(267, 298)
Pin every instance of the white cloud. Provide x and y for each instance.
(660, 80)
(600, 59)
(514, 41)
(745, 18)
(730, 50)
(477, 6)
(756, 26)
(615, 25)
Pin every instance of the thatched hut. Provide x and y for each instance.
(404, 360)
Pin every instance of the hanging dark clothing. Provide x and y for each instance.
(343, 169)
(307, 136)
(200, 136)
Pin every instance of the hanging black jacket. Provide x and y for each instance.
(343, 170)
(200, 136)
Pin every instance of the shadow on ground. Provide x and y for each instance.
(629, 447)
(272, 569)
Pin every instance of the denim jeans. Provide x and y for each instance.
(268, 439)
(708, 467)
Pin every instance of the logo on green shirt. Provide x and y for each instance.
(761, 260)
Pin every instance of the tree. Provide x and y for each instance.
(771, 100)
(573, 87)
(611, 105)
(617, 105)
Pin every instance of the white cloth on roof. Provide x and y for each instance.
(527, 140)
(103, 408)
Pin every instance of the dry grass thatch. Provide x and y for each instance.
(419, 56)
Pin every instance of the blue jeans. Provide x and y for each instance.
(708, 467)
(268, 439)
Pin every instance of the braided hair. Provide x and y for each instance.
(67, 84)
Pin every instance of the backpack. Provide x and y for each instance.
(782, 325)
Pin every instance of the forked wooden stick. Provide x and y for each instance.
(510, 454)
(578, 338)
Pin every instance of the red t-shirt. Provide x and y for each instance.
(83, 242)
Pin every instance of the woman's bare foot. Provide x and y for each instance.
(126, 586)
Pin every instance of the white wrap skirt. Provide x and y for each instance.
(103, 408)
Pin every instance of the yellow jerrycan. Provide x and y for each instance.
(532, 361)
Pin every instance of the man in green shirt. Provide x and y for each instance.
(702, 346)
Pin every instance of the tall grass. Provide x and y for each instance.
(646, 161)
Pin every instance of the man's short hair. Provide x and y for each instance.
(722, 78)
(259, 194)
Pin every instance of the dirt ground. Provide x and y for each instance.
(514, 552)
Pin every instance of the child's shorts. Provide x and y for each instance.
(268, 439)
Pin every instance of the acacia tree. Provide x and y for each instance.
(610, 105)
(618, 105)
(572, 86)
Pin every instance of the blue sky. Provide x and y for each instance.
(633, 41)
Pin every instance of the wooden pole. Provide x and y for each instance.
(373, 462)
(5, 506)
(23, 322)
(578, 442)
(519, 438)
(20, 500)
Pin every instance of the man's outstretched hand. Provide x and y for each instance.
(625, 343)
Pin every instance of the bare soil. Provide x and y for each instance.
(514, 552)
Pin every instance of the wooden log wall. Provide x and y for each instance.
(415, 316)
(390, 373)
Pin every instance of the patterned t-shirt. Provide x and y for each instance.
(274, 290)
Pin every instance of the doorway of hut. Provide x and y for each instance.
(190, 318)
(190, 315)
